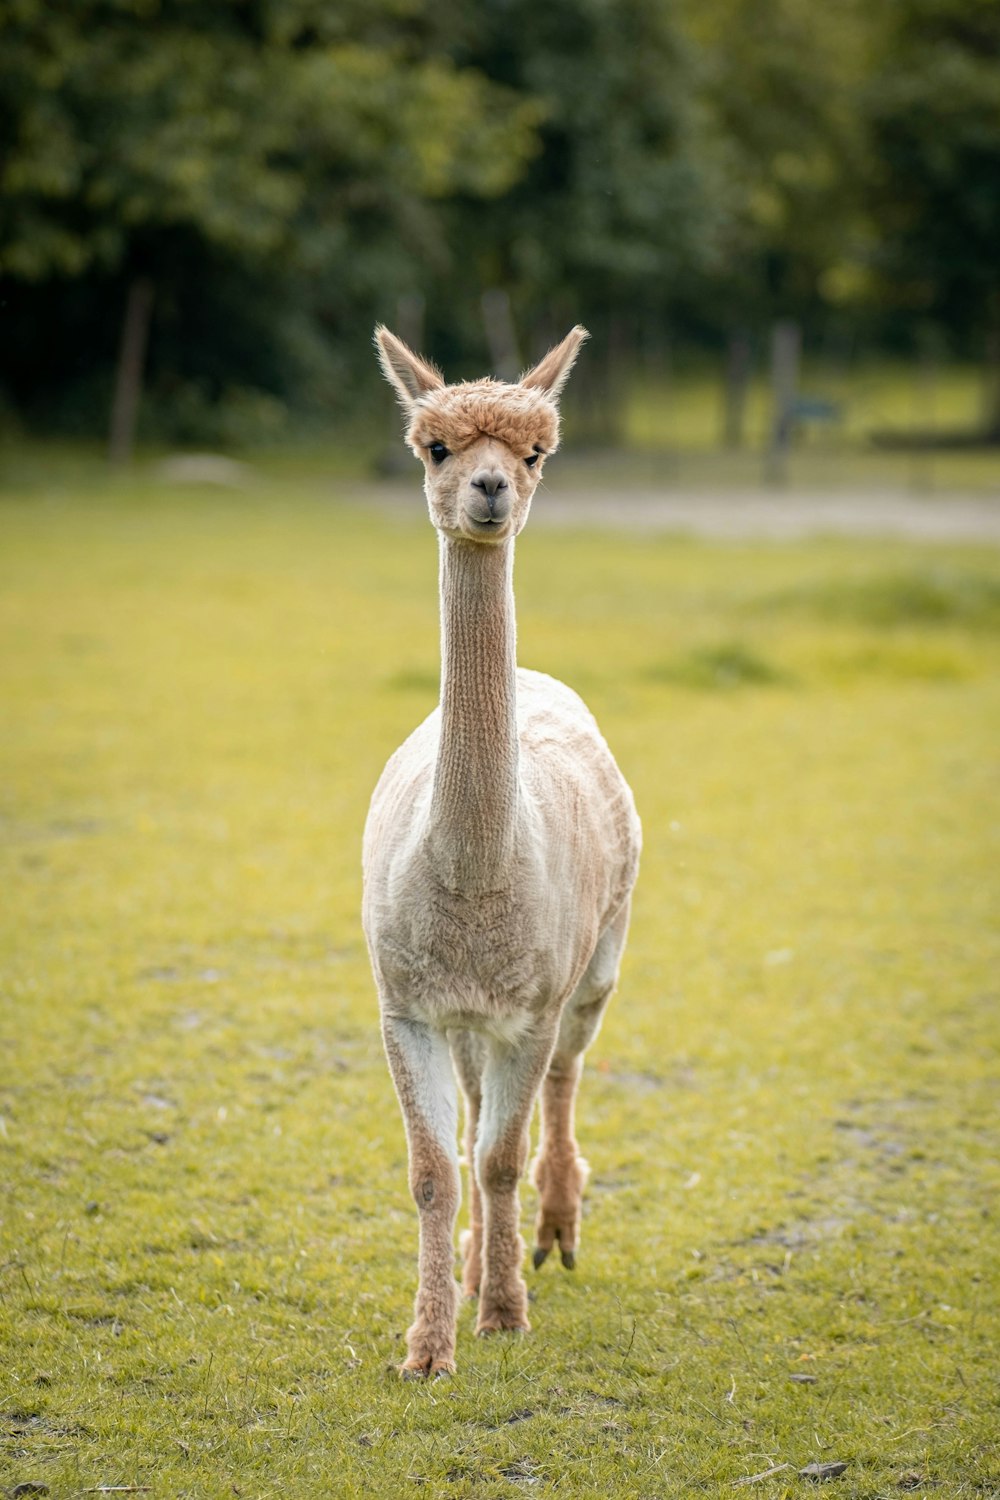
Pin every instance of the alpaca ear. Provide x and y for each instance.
(552, 372)
(409, 375)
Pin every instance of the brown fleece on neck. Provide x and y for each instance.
(458, 415)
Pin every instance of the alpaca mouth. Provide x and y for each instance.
(486, 526)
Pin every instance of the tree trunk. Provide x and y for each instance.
(500, 334)
(786, 346)
(658, 373)
(621, 369)
(991, 403)
(410, 308)
(737, 383)
(131, 364)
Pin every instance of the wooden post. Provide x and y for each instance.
(621, 372)
(925, 411)
(500, 336)
(131, 364)
(786, 346)
(410, 320)
(991, 383)
(737, 383)
(657, 368)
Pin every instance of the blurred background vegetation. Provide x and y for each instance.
(204, 207)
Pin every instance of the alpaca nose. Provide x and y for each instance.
(491, 484)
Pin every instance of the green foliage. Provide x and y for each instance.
(284, 172)
(932, 111)
(778, 79)
(620, 200)
(208, 152)
(207, 1247)
(252, 138)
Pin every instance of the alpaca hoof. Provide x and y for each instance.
(499, 1325)
(569, 1259)
(506, 1315)
(425, 1370)
(540, 1256)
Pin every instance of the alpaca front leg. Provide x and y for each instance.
(510, 1083)
(421, 1070)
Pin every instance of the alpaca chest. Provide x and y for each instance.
(465, 961)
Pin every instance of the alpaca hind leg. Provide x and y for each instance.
(511, 1080)
(558, 1171)
(421, 1070)
(468, 1053)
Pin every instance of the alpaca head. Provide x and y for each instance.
(482, 443)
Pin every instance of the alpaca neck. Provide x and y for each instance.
(474, 801)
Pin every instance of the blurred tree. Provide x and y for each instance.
(932, 113)
(239, 187)
(780, 83)
(618, 213)
(146, 142)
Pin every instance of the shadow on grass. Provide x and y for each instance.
(931, 596)
(720, 668)
(414, 680)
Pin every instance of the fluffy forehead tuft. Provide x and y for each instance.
(458, 415)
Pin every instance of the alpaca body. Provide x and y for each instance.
(495, 961)
(499, 857)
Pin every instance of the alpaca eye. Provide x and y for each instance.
(531, 460)
(438, 452)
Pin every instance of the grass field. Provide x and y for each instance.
(670, 435)
(207, 1250)
(873, 396)
(676, 425)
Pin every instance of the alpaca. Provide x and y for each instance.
(500, 852)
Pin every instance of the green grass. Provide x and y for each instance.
(676, 425)
(931, 595)
(207, 1251)
(872, 397)
(671, 438)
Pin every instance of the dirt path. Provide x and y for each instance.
(760, 513)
